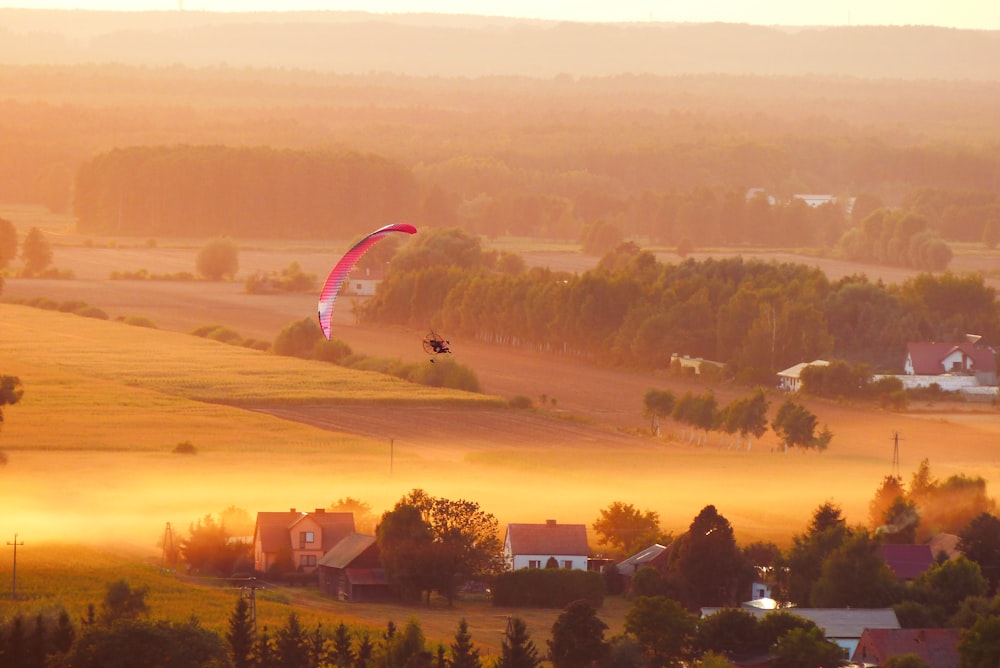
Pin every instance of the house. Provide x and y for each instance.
(305, 537)
(646, 557)
(968, 358)
(696, 364)
(362, 284)
(907, 562)
(789, 380)
(938, 648)
(546, 545)
(843, 626)
(352, 571)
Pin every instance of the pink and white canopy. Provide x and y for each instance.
(336, 278)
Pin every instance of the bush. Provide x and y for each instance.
(139, 321)
(444, 373)
(92, 312)
(218, 259)
(334, 351)
(185, 448)
(547, 588)
(521, 401)
(298, 339)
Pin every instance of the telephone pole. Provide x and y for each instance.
(13, 586)
(895, 453)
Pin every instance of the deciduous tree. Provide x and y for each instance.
(8, 243)
(664, 629)
(626, 528)
(36, 253)
(217, 259)
(980, 542)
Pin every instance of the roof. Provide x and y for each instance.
(936, 647)
(346, 551)
(640, 559)
(834, 622)
(549, 538)
(273, 528)
(926, 357)
(907, 562)
(794, 371)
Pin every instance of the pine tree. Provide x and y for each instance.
(463, 654)
(263, 650)
(517, 650)
(291, 644)
(342, 653)
(366, 648)
(240, 635)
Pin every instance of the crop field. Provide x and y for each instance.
(90, 461)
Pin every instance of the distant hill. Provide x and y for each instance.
(468, 46)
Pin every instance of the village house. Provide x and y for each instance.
(300, 536)
(546, 546)
(843, 626)
(937, 648)
(907, 562)
(967, 358)
(790, 379)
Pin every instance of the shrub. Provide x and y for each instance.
(521, 401)
(72, 305)
(298, 339)
(185, 448)
(218, 259)
(139, 321)
(444, 373)
(547, 588)
(334, 351)
(92, 312)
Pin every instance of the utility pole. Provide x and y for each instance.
(13, 586)
(167, 552)
(895, 453)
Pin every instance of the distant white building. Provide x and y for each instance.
(790, 379)
(545, 545)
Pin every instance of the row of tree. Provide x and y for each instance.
(757, 317)
(35, 250)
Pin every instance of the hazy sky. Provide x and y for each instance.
(975, 14)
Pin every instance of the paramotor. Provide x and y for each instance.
(336, 278)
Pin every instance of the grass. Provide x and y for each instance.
(71, 576)
(195, 368)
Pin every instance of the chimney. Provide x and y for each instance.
(320, 511)
(291, 510)
(550, 523)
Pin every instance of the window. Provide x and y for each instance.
(307, 560)
(534, 563)
(568, 563)
(306, 537)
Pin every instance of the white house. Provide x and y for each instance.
(789, 380)
(546, 545)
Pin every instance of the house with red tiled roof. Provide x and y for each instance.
(907, 562)
(546, 545)
(938, 648)
(968, 358)
(305, 537)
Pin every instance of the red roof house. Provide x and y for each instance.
(544, 545)
(305, 536)
(907, 562)
(938, 648)
(936, 358)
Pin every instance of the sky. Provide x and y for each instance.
(965, 14)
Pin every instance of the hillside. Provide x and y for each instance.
(466, 46)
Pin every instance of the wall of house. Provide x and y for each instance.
(577, 562)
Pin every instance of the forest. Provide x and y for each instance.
(665, 159)
(756, 317)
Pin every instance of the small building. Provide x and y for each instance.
(648, 556)
(907, 562)
(938, 648)
(843, 626)
(352, 571)
(790, 379)
(546, 545)
(304, 537)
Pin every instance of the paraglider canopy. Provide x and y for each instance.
(336, 278)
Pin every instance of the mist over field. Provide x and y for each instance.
(591, 201)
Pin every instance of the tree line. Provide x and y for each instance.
(756, 317)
